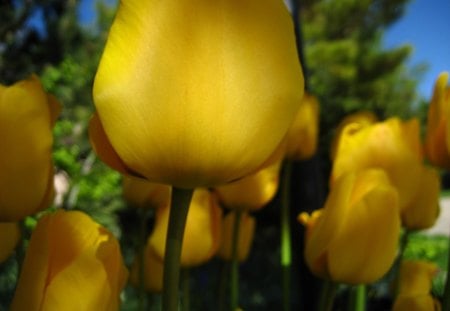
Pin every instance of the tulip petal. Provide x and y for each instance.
(9, 237)
(191, 99)
(363, 250)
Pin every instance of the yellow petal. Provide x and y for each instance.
(361, 251)
(437, 136)
(141, 193)
(202, 232)
(413, 303)
(9, 237)
(153, 271)
(392, 145)
(70, 259)
(246, 231)
(191, 99)
(303, 133)
(26, 142)
(423, 211)
(416, 277)
(251, 192)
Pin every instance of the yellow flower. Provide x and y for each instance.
(194, 93)
(359, 120)
(437, 140)
(392, 145)
(303, 133)
(251, 192)
(9, 237)
(72, 263)
(423, 210)
(246, 231)
(415, 281)
(153, 271)
(202, 233)
(353, 239)
(142, 193)
(27, 115)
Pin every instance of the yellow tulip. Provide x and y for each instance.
(423, 210)
(72, 263)
(202, 233)
(246, 231)
(303, 133)
(392, 145)
(153, 271)
(9, 237)
(437, 139)
(415, 281)
(142, 193)
(193, 93)
(359, 120)
(27, 115)
(251, 192)
(354, 238)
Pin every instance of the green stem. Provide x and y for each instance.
(327, 296)
(223, 282)
(234, 277)
(357, 298)
(141, 257)
(286, 252)
(446, 297)
(181, 199)
(396, 267)
(186, 302)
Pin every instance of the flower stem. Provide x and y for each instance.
(181, 199)
(446, 297)
(327, 296)
(234, 277)
(185, 280)
(358, 298)
(286, 256)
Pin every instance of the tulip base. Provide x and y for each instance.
(181, 199)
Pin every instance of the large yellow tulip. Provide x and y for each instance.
(415, 282)
(354, 238)
(9, 237)
(195, 92)
(437, 139)
(251, 192)
(392, 145)
(27, 115)
(202, 234)
(72, 263)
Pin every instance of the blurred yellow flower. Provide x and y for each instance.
(202, 233)
(423, 210)
(437, 139)
(247, 225)
(359, 120)
(354, 238)
(304, 131)
(27, 115)
(9, 237)
(72, 263)
(141, 193)
(198, 99)
(153, 271)
(415, 281)
(251, 192)
(392, 145)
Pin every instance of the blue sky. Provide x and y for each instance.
(426, 26)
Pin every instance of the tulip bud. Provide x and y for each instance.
(72, 263)
(202, 233)
(437, 139)
(354, 238)
(144, 194)
(194, 93)
(27, 115)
